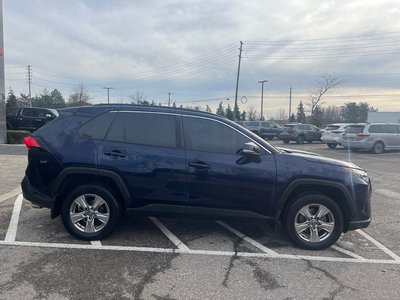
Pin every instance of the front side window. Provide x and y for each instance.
(29, 112)
(150, 129)
(212, 136)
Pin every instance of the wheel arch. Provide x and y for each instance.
(334, 190)
(73, 177)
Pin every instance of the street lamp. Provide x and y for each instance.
(262, 97)
(108, 93)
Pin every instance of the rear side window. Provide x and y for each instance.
(144, 128)
(97, 128)
(377, 129)
(30, 112)
(354, 129)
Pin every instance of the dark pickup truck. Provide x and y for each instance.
(31, 118)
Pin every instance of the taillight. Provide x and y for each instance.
(362, 134)
(31, 143)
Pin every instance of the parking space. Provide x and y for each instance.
(168, 258)
(33, 227)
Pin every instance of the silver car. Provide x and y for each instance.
(376, 137)
(333, 134)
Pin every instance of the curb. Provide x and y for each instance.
(11, 194)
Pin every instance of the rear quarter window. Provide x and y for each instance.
(354, 129)
(97, 128)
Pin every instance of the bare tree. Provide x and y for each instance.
(139, 98)
(327, 82)
(79, 97)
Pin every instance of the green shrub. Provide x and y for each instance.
(17, 136)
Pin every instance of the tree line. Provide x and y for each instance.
(350, 112)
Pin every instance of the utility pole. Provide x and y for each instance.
(3, 127)
(262, 98)
(237, 78)
(108, 93)
(290, 103)
(169, 98)
(29, 84)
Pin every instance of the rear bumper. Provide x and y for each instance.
(32, 195)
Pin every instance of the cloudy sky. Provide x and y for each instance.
(191, 48)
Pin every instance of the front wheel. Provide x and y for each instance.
(300, 139)
(332, 146)
(314, 222)
(90, 212)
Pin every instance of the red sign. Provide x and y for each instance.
(1, 52)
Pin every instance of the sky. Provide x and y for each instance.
(191, 50)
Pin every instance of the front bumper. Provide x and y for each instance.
(32, 195)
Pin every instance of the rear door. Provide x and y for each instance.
(145, 149)
(392, 135)
(218, 176)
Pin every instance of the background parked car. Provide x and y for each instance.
(31, 118)
(300, 133)
(265, 129)
(333, 133)
(376, 137)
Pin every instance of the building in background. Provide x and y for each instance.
(389, 117)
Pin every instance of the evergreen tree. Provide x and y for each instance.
(292, 118)
(57, 99)
(208, 109)
(317, 117)
(220, 110)
(236, 112)
(229, 113)
(243, 116)
(301, 115)
(11, 104)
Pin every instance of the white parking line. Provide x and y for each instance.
(247, 239)
(96, 243)
(169, 234)
(347, 252)
(379, 245)
(12, 228)
(200, 252)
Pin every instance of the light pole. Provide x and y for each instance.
(169, 98)
(262, 97)
(108, 93)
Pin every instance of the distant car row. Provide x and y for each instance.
(375, 137)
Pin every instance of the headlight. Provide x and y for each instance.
(361, 173)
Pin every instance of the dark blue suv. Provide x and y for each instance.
(95, 164)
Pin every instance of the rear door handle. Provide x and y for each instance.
(199, 165)
(115, 153)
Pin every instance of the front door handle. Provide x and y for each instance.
(199, 165)
(115, 153)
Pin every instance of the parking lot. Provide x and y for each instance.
(157, 258)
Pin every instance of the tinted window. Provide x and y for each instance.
(97, 128)
(211, 136)
(252, 124)
(391, 129)
(144, 128)
(377, 128)
(332, 127)
(354, 129)
(29, 112)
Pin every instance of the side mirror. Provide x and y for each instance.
(250, 149)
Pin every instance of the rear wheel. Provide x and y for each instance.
(378, 148)
(300, 139)
(270, 137)
(286, 141)
(314, 222)
(90, 212)
(331, 145)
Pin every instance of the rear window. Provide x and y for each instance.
(332, 127)
(354, 129)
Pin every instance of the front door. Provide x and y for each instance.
(218, 175)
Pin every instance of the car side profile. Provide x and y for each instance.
(300, 133)
(95, 164)
(374, 137)
(265, 129)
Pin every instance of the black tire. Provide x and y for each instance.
(270, 137)
(331, 145)
(378, 148)
(314, 202)
(286, 141)
(309, 142)
(300, 139)
(108, 210)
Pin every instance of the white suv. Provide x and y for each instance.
(333, 133)
(376, 137)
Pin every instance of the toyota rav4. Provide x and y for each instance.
(95, 164)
